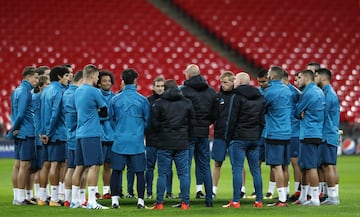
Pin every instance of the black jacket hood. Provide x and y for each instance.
(249, 92)
(172, 94)
(197, 82)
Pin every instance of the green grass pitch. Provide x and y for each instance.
(348, 167)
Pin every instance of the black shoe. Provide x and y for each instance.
(178, 205)
(323, 198)
(140, 206)
(209, 204)
(115, 206)
(200, 195)
(128, 195)
(169, 196)
(33, 201)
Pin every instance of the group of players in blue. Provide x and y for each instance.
(61, 117)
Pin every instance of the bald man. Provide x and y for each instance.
(204, 102)
(246, 121)
(278, 135)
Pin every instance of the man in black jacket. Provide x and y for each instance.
(245, 126)
(171, 120)
(204, 102)
(152, 141)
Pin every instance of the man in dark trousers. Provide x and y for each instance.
(171, 120)
(204, 101)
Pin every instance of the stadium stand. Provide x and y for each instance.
(291, 34)
(110, 34)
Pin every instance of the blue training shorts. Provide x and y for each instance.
(89, 152)
(308, 156)
(294, 147)
(219, 150)
(38, 162)
(136, 163)
(71, 158)
(327, 154)
(26, 149)
(56, 151)
(277, 154)
(106, 146)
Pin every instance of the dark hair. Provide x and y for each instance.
(158, 78)
(106, 73)
(129, 75)
(28, 70)
(41, 70)
(42, 81)
(56, 72)
(78, 76)
(67, 65)
(170, 83)
(262, 73)
(89, 70)
(315, 64)
(279, 72)
(285, 75)
(324, 71)
(308, 73)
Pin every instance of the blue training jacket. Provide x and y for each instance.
(37, 117)
(263, 132)
(312, 103)
(129, 115)
(21, 112)
(52, 119)
(295, 123)
(278, 105)
(108, 133)
(69, 110)
(331, 116)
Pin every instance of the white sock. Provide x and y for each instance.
(332, 191)
(21, 195)
(106, 189)
(96, 189)
(28, 194)
(304, 192)
(82, 195)
(67, 195)
(141, 201)
(337, 190)
(91, 194)
(282, 194)
(198, 188)
(43, 194)
(271, 188)
(15, 190)
(296, 186)
(75, 194)
(322, 187)
(48, 190)
(115, 200)
(243, 189)
(325, 190)
(214, 189)
(314, 192)
(36, 190)
(61, 188)
(54, 193)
